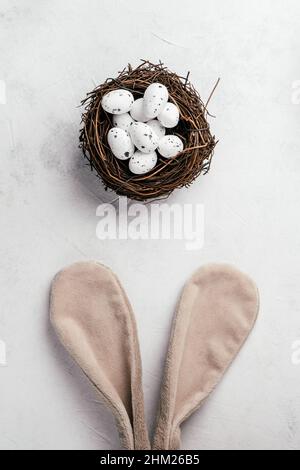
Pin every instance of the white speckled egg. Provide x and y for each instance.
(155, 98)
(157, 127)
(169, 116)
(169, 146)
(137, 110)
(142, 163)
(120, 143)
(143, 137)
(117, 101)
(123, 121)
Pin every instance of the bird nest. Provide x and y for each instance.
(168, 174)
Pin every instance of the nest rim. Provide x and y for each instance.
(168, 174)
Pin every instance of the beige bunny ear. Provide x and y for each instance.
(93, 319)
(216, 313)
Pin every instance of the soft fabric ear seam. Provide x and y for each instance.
(135, 375)
(125, 426)
(126, 439)
(176, 319)
(164, 417)
(197, 406)
(166, 386)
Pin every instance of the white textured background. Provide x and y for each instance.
(53, 52)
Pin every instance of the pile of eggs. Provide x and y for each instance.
(140, 127)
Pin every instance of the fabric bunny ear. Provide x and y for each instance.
(216, 313)
(94, 320)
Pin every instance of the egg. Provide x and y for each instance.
(169, 116)
(142, 163)
(120, 143)
(137, 110)
(155, 98)
(169, 146)
(123, 121)
(143, 137)
(157, 128)
(117, 101)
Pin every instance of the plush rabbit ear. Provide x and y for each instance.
(216, 313)
(93, 319)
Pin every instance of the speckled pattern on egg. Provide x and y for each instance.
(120, 143)
(142, 163)
(155, 98)
(143, 137)
(117, 101)
(169, 146)
(169, 116)
(123, 121)
(157, 127)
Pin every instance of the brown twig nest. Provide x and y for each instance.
(168, 174)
